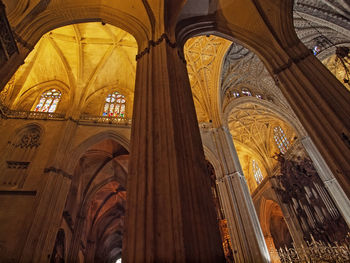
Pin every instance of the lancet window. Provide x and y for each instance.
(114, 105)
(281, 139)
(235, 94)
(257, 172)
(48, 101)
(246, 92)
(316, 50)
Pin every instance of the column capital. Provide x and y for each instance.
(231, 175)
(153, 43)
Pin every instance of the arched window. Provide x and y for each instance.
(257, 172)
(246, 92)
(316, 50)
(235, 94)
(114, 105)
(48, 101)
(281, 139)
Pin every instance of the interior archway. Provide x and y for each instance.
(274, 228)
(95, 206)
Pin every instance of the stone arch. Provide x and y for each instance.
(284, 116)
(51, 19)
(211, 157)
(36, 91)
(77, 152)
(269, 215)
(85, 220)
(98, 173)
(263, 43)
(36, 24)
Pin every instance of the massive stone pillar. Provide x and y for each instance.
(245, 232)
(332, 185)
(170, 212)
(322, 105)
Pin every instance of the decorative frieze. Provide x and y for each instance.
(17, 165)
(152, 43)
(58, 171)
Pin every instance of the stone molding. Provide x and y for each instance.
(55, 170)
(17, 192)
(152, 43)
(291, 61)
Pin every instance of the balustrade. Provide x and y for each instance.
(316, 251)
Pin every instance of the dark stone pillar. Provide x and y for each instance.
(170, 212)
(322, 105)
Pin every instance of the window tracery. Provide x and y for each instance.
(316, 50)
(235, 94)
(246, 92)
(48, 101)
(281, 139)
(114, 105)
(257, 172)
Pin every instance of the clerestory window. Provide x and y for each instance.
(48, 101)
(257, 172)
(246, 92)
(281, 139)
(114, 105)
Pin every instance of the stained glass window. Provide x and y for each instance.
(316, 50)
(281, 139)
(48, 101)
(114, 105)
(258, 96)
(246, 92)
(257, 172)
(235, 94)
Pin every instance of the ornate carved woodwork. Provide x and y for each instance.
(302, 190)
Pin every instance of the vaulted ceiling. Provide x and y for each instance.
(86, 58)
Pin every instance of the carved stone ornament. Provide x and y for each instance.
(29, 139)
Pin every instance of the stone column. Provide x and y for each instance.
(334, 189)
(170, 213)
(245, 231)
(322, 105)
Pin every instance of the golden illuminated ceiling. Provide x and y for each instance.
(204, 56)
(335, 66)
(251, 126)
(90, 58)
(87, 58)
